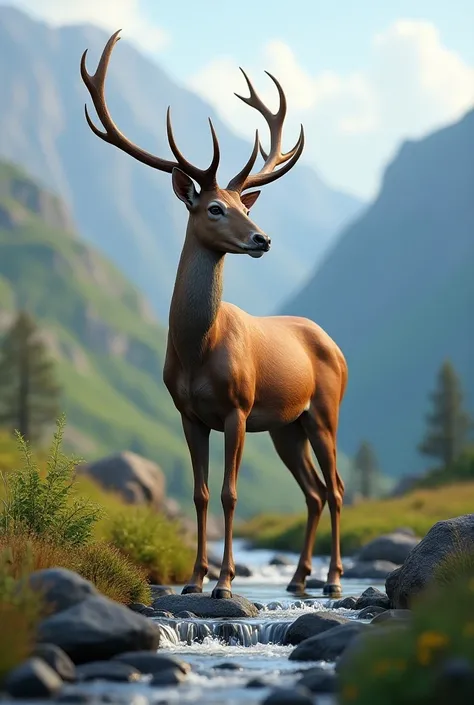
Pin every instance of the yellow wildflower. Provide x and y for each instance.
(427, 643)
(469, 629)
(350, 692)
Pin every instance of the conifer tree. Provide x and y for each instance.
(29, 394)
(448, 424)
(366, 465)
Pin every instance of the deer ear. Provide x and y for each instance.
(183, 187)
(248, 199)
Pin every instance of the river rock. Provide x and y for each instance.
(228, 666)
(142, 609)
(370, 570)
(372, 598)
(207, 607)
(315, 583)
(185, 614)
(160, 590)
(32, 679)
(61, 588)
(256, 683)
(328, 645)
(57, 660)
(394, 547)
(319, 680)
(163, 614)
(311, 624)
(445, 537)
(108, 671)
(280, 561)
(98, 628)
(347, 603)
(242, 571)
(289, 696)
(170, 676)
(370, 612)
(391, 616)
(149, 662)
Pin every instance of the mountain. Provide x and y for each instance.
(109, 351)
(126, 210)
(397, 294)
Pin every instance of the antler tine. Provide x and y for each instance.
(207, 177)
(274, 157)
(235, 183)
(96, 86)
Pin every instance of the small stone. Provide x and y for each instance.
(272, 606)
(280, 561)
(160, 590)
(370, 612)
(319, 680)
(203, 605)
(242, 571)
(372, 597)
(108, 671)
(142, 609)
(309, 625)
(328, 645)
(347, 603)
(289, 696)
(185, 614)
(57, 659)
(228, 666)
(392, 616)
(170, 676)
(150, 662)
(32, 679)
(162, 613)
(259, 605)
(256, 683)
(315, 583)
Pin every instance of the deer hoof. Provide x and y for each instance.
(332, 590)
(296, 588)
(221, 593)
(191, 590)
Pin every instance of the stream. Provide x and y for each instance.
(226, 654)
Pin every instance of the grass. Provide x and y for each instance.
(428, 662)
(364, 521)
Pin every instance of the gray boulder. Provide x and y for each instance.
(170, 676)
(370, 570)
(98, 628)
(329, 645)
(444, 538)
(394, 547)
(391, 616)
(311, 624)
(347, 603)
(32, 679)
(61, 588)
(57, 660)
(205, 606)
(371, 612)
(108, 671)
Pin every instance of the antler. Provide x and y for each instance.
(274, 158)
(95, 83)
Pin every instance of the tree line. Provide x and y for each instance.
(30, 401)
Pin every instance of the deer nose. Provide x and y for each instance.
(262, 241)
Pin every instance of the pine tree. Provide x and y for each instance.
(29, 393)
(448, 424)
(365, 463)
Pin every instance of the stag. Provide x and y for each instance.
(229, 371)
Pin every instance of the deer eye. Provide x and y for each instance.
(215, 211)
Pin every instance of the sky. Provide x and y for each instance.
(361, 75)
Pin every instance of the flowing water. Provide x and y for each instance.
(226, 654)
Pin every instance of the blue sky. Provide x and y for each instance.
(361, 76)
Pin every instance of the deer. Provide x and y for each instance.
(231, 372)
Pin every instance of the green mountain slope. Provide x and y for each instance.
(110, 351)
(397, 294)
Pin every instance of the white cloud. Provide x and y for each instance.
(353, 121)
(107, 14)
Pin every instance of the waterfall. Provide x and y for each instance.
(230, 632)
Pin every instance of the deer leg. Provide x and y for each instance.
(234, 438)
(323, 441)
(292, 445)
(197, 437)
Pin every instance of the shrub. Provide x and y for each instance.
(429, 661)
(112, 573)
(46, 504)
(20, 611)
(154, 542)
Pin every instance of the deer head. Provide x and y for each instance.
(218, 218)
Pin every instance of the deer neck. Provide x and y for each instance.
(196, 299)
